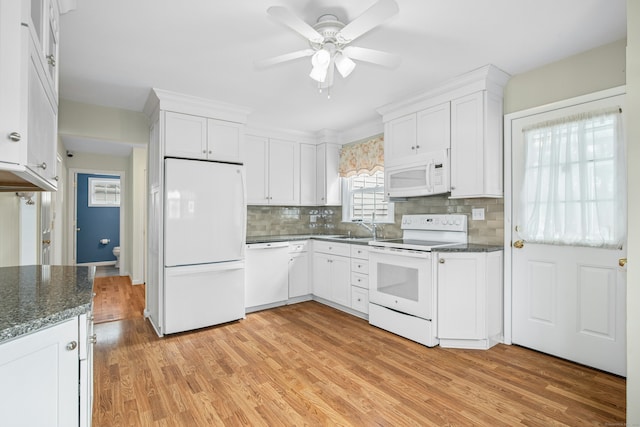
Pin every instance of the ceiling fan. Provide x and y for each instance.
(329, 42)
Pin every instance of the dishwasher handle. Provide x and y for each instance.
(269, 245)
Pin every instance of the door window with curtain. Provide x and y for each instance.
(362, 167)
(574, 189)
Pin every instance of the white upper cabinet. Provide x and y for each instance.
(28, 94)
(476, 146)
(418, 133)
(464, 115)
(225, 141)
(328, 183)
(195, 137)
(273, 169)
(308, 174)
(185, 136)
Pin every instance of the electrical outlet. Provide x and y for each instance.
(477, 214)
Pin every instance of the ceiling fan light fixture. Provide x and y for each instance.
(344, 64)
(320, 61)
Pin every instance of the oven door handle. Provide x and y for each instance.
(380, 251)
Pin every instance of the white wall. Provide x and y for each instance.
(591, 71)
(121, 126)
(9, 229)
(633, 252)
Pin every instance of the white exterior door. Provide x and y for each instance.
(568, 300)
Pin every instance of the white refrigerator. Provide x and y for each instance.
(204, 239)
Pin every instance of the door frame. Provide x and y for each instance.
(508, 188)
(72, 207)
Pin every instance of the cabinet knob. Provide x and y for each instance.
(42, 165)
(413, 147)
(72, 345)
(46, 242)
(51, 60)
(56, 178)
(441, 261)
(417, 147)
(15, 136)
(210, 152)
(93, 339)
(204, 151)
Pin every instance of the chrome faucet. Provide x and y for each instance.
(372, 228)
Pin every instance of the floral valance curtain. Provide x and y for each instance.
(362, 158)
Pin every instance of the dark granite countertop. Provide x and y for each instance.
(469, 247)
(34, 297)
(296, 237)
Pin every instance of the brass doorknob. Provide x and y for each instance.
(518, 244)
(622, 262)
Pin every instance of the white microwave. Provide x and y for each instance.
(427, 176)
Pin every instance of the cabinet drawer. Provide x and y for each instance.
(360, 280)
(332, 248)
(360, 266)
(300, 246)
(360, 299)
(359, 251)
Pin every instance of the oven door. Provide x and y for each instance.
(402, 280)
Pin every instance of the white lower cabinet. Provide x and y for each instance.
(299, 272)
(331, 272)
(470, 295)
(360, 278)
(44, 381)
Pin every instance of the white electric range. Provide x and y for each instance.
(402, 281)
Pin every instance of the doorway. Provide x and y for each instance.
(565, 280)
(97, 222)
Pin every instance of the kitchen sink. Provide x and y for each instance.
(345, 238)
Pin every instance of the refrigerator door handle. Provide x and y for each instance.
(204, 268)
(244, 212)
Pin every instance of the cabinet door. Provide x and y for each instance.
(40, 377)
(299, 284)
(341, 280)
(224, 141)
(461, 296)
(185, 136)
(42, 124)
(307, 174)
(467, 146)
(255, 162)
(434, 129)
(322, 275)
(284, 172)
(328, 183)
(13, 85)
(400, 136)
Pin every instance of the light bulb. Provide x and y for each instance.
(344, 64)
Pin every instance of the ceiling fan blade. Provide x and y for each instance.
(292, 21)
(379, 57)
(372, 17)
(267, 62)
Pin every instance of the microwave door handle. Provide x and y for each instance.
(429, 176)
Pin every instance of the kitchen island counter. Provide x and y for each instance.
(38, 296)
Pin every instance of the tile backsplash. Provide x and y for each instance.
(292, 220)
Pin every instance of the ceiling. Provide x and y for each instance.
(113, 52)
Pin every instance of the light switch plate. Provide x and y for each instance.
(477, 214)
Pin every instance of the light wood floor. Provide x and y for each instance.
(308, 364)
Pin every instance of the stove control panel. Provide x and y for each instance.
(453, 222)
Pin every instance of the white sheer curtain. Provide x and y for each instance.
(574, 188)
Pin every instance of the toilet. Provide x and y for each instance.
(116, 253)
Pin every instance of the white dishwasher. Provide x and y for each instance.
(266, 275)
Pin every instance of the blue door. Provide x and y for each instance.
(97, 217)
